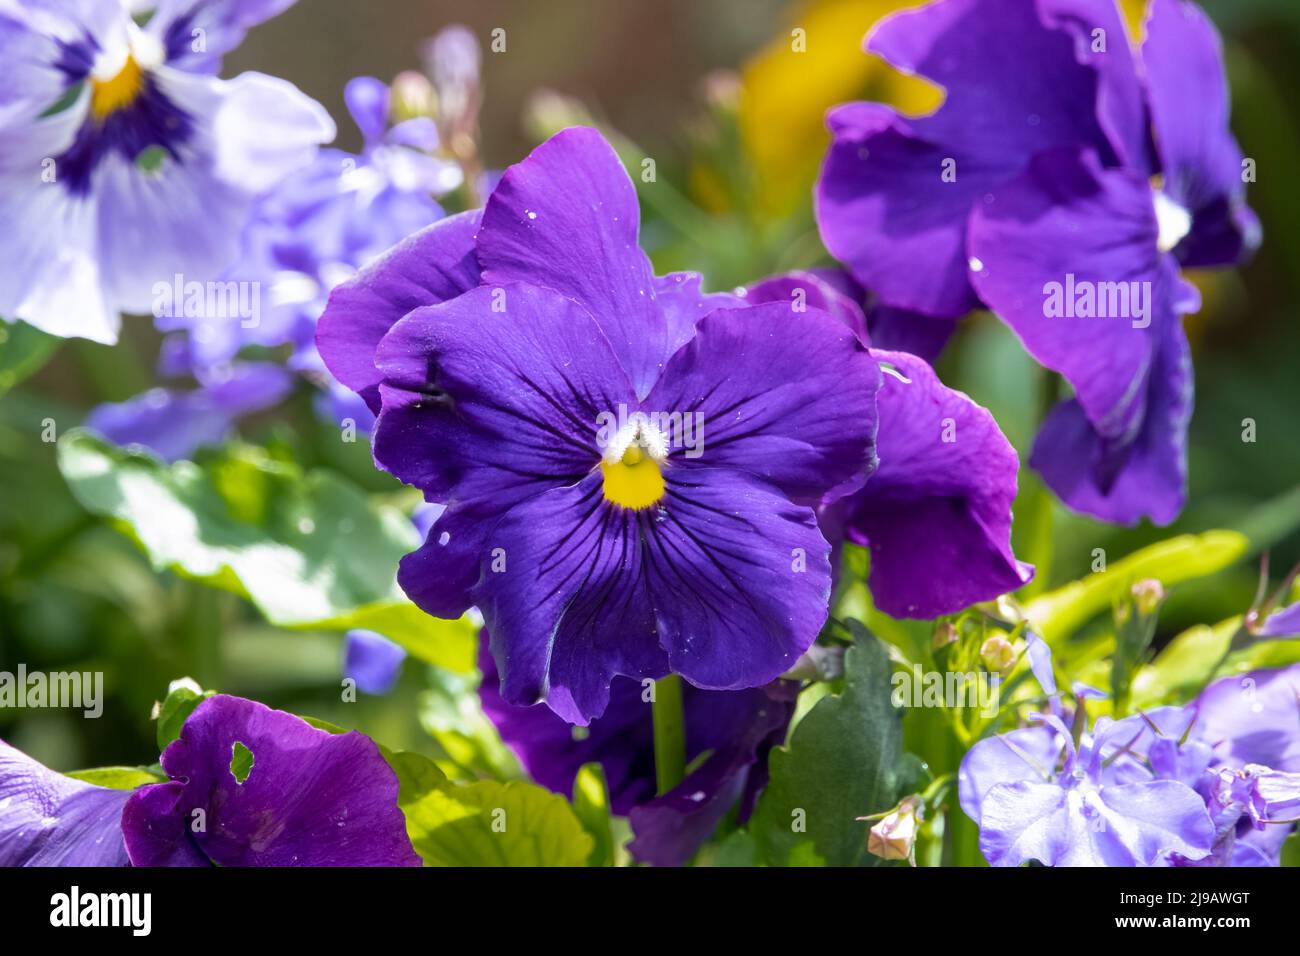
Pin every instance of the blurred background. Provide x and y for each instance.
(711, 90)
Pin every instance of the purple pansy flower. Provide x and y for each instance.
(528, 366)
(253, 786)
(250, 786)
(1030, 191)
(174, 423)
(732, 731)
(372, 660)
(124, 161)
(936, 514)
(47, 819)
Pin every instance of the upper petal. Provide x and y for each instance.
(894, 194)
(433, 265)
(567, 218)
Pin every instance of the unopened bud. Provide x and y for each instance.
(944, 634)
(413, 97)
(893, 837)
(997, 654)
(1147, 596)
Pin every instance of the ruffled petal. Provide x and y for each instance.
(310, 798)
(738, 575)
(47, 819)
(567, 218)
(1030, 753)
(797, 410)
(51, 278)
(432, 266)
(937, 512)
(1126, 479)
(732, 731)
(186, 216)
(1015, 87)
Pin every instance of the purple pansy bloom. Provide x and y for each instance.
(47, 819)
(732, 730)
(1031, 191)
(174, 423)
(123, 161)
(372, 660)
(936, 514)
(308, 798)
(594, 531)
(302, 797)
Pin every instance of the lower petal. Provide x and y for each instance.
(1123, 481)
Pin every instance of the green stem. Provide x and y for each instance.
(670, 734)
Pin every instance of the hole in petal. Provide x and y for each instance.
(241, 762)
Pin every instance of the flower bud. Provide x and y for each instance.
(997, 654)
(1147, 596)
(413, 96)
(944, 634)
(893, 837)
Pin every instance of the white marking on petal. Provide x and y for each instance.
(1174, 221)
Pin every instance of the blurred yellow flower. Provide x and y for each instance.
(816, 62)
(788, 86)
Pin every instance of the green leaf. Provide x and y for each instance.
(844, 760)
(497, 824)
(23, 350)
(1184, 665)
(120, 778)
(1059, 613)
(310, 550)
(451, 714)
(182, 698)
(591, 805)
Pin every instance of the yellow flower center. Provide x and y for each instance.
(634, 481)
(108, 96)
